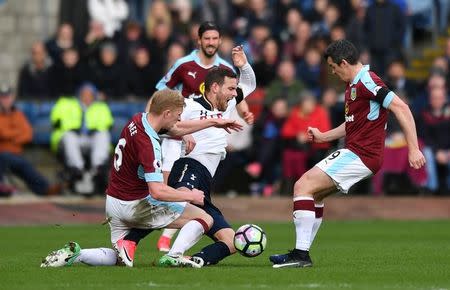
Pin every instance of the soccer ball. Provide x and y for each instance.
(250, 240)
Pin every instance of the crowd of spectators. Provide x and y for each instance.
(122, 48)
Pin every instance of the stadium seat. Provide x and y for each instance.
(119, 123)
(119, 109)
(42, 129)
(28, 108)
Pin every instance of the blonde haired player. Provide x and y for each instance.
(136, 195)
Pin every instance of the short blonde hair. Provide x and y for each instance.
(162, 100)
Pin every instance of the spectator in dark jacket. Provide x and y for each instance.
(397, 81)
(68, 75)
(63, 40)
(355, 26)
(384, 29)
(266, 148)
(108, 74)
(34, 77)
(266, 68)
(131, 39)
(434, 128)
(309, 70)
(142, 75)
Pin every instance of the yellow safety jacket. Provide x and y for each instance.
(67, 115)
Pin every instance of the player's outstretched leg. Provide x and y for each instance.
(307, 217)
(195, 222)
(62, 257)
(163, 244)
(71, 254)
(216, 252)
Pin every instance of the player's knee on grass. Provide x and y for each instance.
(226, 236)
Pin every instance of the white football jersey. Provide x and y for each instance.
(211, 142)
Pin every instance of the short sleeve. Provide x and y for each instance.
(149, 157)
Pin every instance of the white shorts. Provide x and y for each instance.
(171, 152)
(345, 168)
(146, 213)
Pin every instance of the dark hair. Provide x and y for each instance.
(217, 75)
(340, 50)
(207, 25)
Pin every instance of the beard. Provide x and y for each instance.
(223, 106)
(209, 54)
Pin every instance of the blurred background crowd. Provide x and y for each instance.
(104, 59)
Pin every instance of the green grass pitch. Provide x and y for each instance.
(346, 255)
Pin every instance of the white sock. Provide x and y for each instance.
(97, 257)
(317, 221)
(304, 216)
(189, 234)
(169, 233)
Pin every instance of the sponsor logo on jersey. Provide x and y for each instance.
(353, 94)
(350, 118)
(192, 74)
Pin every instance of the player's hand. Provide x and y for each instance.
(189, 143)
(314, 135)
(228, 125)
(416, 159)
(198, 196)
(248, 117)
(238, 56)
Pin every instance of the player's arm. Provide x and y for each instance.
(247, 83)
(163, 192)
(314, 134)
(190, 126)
(244, 112)
(247, 78)
(406, 121)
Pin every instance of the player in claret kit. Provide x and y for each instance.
(136, 196)
(367, 102)
(188, 75)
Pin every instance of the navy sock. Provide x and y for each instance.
(214, 253)
(136, 235)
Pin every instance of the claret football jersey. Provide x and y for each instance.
(137, 160)
(188, 74)
(366, 117)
